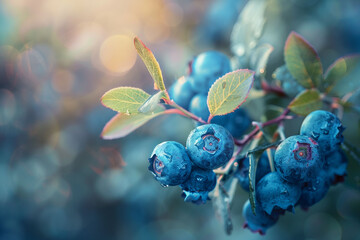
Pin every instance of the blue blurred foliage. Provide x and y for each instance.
(60, 180)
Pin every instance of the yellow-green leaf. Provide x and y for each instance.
(123, 124)
(306, 102)
(303, 61)
(151, 63)
(229, 92)
(124, 99)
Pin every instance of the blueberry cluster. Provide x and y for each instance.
(190, 92)
(306, 165)
(207, 147)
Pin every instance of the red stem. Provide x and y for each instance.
(179, 110)
(248, 137)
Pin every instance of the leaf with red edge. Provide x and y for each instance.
(229, 92)
(151, 63)
(124, 99)
(303, 61)
(339, 69)
(123, 124)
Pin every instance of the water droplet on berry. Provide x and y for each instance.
(199, 179)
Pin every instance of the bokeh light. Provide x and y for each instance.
(117, 53)
(59, 180)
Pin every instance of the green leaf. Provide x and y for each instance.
(229, 92)
(151, 63)
(123, 124)
(124, 99)
(339, 69)
(306, 102)
(303, 61)
(152, 102)
(259, 58)
(253, 162)
(253, 155)
(248, 28)
(352, 151)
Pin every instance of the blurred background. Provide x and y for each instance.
(60, 180)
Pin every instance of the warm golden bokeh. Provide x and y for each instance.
(117, 53)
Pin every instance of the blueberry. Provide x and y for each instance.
(198, 106)
(298, 158)
(181, 92)
(170, 164)
(198, 185)
(215, 27)
(210, 146)
(242, 174)
(238, 122)
(335, 166)
(259, 222)
(206, 68)
(325, 128)
(288, 83)
(314, 190)
(274, 193)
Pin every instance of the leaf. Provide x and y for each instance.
(123, 124)
(259, 58)
(306, 102)
(339, 69)
(151, 63)
(351, 151)
(253, 155)
(253, 162)
(229, 92)
(124, 99)
(152, 102)
(264, 147)
(248, 28)
(303, 61)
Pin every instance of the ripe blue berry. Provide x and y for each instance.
(325, 128)
(273, 193)
(181, 92)
(197, 187)
(335, 166)
(210, 146)
(237, 122)
(170, 164)
(198, 106)
(298, 158)
(242, 174)
(314, 190)
(207, 68)
(288, 83)
(259, 222)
